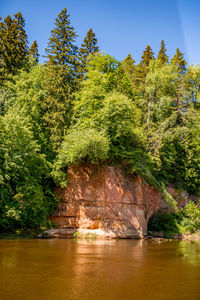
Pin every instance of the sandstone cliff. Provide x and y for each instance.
(105, 200)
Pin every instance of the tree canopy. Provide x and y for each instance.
(82, 105)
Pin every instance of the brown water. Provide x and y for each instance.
(125, 269)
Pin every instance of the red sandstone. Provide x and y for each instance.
(105, 197)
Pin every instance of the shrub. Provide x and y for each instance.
(88, 144)
(190, 221)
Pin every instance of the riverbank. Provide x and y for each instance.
(184, 237)
(102, 234)
(20, 234)
(94, 234)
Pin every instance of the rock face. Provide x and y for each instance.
(102, 198)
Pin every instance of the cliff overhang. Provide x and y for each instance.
(108, 202)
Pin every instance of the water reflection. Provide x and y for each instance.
(125, 269)
(189, 251)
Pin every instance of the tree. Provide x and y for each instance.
(192, 86)
(57, 103)
(162, 56)
(141, 70)
(100, 104)
(61, 49)
(33, 51)
(89, 46)
(180, 103)
(147, 56)
(13, 44)
(129, 65)
(25, 199)
(159, 91)
(61, 77)
(25, 91)
(179, 61)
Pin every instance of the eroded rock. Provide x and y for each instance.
(105, 198)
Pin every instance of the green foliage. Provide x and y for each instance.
(85, 106)
(61, 49)
(33, 51)
(88, 47)
(159, 91)
(164, 222)
(90, 236)
(80, 145)
(77, 235)
(105, 64)
(179, 155)
(186, 220)
(129, 66)
(61, 78)
(147, 56)
(105, 75)
(26, 93)
(190, 218)
(179, 61)
(141, 70)
(162, 56)
(24, 202)
(192, 86)
(13, 45)
(87, 236)
(118, 118)
(57, 103)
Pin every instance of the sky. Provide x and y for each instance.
(121, 26)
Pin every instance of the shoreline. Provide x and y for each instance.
(88, 234)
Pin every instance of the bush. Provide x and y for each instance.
(187, 220)
(190, 221)
(79, 145)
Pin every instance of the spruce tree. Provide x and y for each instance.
(147, 56)
(33, 51)
(61, 77)
(89, 46)
(142, 69)
(180, 102)
(61, 49)
(129, 66)
(162, 56)
(13, 44)
(179, 61)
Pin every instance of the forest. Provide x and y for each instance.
(82, 105)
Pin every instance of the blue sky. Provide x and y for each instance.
(121, 26)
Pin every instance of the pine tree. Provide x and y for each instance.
(33, 51)
(179, 61)
(129, 66)
(89, 46)
(61, 77)
(13, 44)
(162, 56)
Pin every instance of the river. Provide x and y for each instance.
(81, 269)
